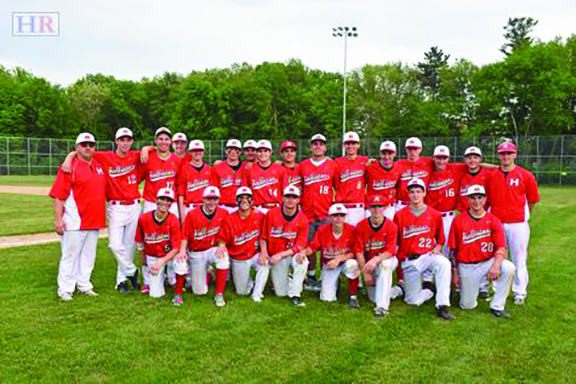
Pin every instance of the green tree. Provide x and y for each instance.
(517, 34)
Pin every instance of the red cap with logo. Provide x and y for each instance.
(376, 200)
(288, 144)
(507, 147)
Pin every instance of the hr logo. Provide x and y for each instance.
(35, 24)
(514, 182)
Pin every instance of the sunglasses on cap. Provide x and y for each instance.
(506, 153)
(87, 145)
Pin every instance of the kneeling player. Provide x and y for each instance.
(285, 233)
(198, 237)
(375, 246)
(239, 238)
(478, 248)
(334, 241)
(158, 239)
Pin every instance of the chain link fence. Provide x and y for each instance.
(551, 158)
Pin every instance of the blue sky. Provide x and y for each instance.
(131, 39)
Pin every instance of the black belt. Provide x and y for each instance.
(413, 256)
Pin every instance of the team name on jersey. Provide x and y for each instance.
(414, 175)
(205, 233)
(294, 179)
(264, 182)
(440, 184)
(230, 181)
(464, 190)
(383, 184)
(312, 179)
(347, 175)
(154, 238)
(415, 230)
(475, 235)
(120, 171)
(280, 232)
(161, 175)
(331, 253)
(197, 184)
(246, 237)
(373, 245)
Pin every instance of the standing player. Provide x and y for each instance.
(288, 151)
(478, 249)
(158, 239)
(415, 167)
(227, 176)
(285, 233)
(334, 241)
(179, 143)
(249, 151)
(350, 187)
(375, 249)
(475, 175)
(514, 193)
(79, 213)
(239, 238)
(193, 178)
(420, 239)
(198, 249)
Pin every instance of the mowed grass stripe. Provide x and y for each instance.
(32, 180)
(25, 214)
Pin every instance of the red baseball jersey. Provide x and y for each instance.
(293, 176)
(83, 192)
(510, 192)
(200, 229)
(267, 184)
(418, 235)
(419, 169)
(479, 178)
(123, 174)
(383, 182)
(193, 181)
(227, 179)
(349, 182)
(317, 188)
(158, 238)
(282, 233)
(241, 235)
(443, 187)
(476, 240)
(329, 246)
(160, 173)
(374, 241)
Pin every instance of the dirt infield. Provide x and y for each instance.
(42, 191)
(35, 239)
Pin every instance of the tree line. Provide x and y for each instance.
(531, 91)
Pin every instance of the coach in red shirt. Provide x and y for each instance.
(79, 213)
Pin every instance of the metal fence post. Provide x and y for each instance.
(50, 157)
(561, 158)
(8, 156)
(29, 170)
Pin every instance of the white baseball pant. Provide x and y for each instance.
(198, 263)
(283, 284)
(441, 270)
(77, 261)
(471, 276)
(355, 215)
(383, 292)
(156, 281)
(517, 238)
(447, 219)
(229, 209)
(242, 279)
(349, 268)
(122, 224)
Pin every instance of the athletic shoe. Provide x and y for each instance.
(442, 312)
(123, 288)
(257, 299)
(380, 312)
(178, 301)
(89, 292)
(500, 313)
(134, 280)
(484, 295)
(311, 283)
(66, 297)
(219, 301)
(519, 300)
(145, 289)
(353, 303)
(297, 301)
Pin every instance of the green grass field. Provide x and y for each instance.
(24, 214)
(31, 181)
(136, 339)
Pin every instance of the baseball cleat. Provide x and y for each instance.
(178, 300)
(442, 312)
(311, 283)
(134, 281)
(66, 297)
(484, 295)
(123, 288)
(89, 292)
(219, 301)
(353, 303)
(500, 313)
(145, 289)
(297, 301)
(380, 312)
(519, 300)
(257, 299)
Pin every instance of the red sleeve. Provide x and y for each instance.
(188, 227)
(498, 233)
(302, 236)
(140, 230)
(460, 169)
(247, 179)
(357, 240)
(214, 178)
(439, 230)
(316, 244)
(532, 194)
(101, 157)
(62, 185)
(266, 226)
(175, 238)
(453, 236)
(224, 233)
(392, 238)
(181, 182)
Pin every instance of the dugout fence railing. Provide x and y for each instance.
(551, 158)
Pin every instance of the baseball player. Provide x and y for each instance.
(239, 238)
(79, 213)
(382, 177)
(198, 249)
(284, 234)
(158, 239)
(478, 248)
(375, 249)
(265, 178)
(227, 176)
(193, 178)
(514, 193)
(179, 143)
(249, 150)
(318, 175)
(334, 241)
(288, 150)
(420, 239)
(349, 182)
(415, 167)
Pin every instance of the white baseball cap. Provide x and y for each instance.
(264, 144)
(291, 191)
(195, 145)
(416, 182)
(475, 190)
(250, 144)
(162, 130)
(233, 143)
(318, 137)
(338, 209)
(413, 142)
(211, 192)
(351, 136)
(473, 151)
(165, 192)
(388, 146)
(123, 132)
(243, 191)
(179, 137)
(85, 138)
(442, 150)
